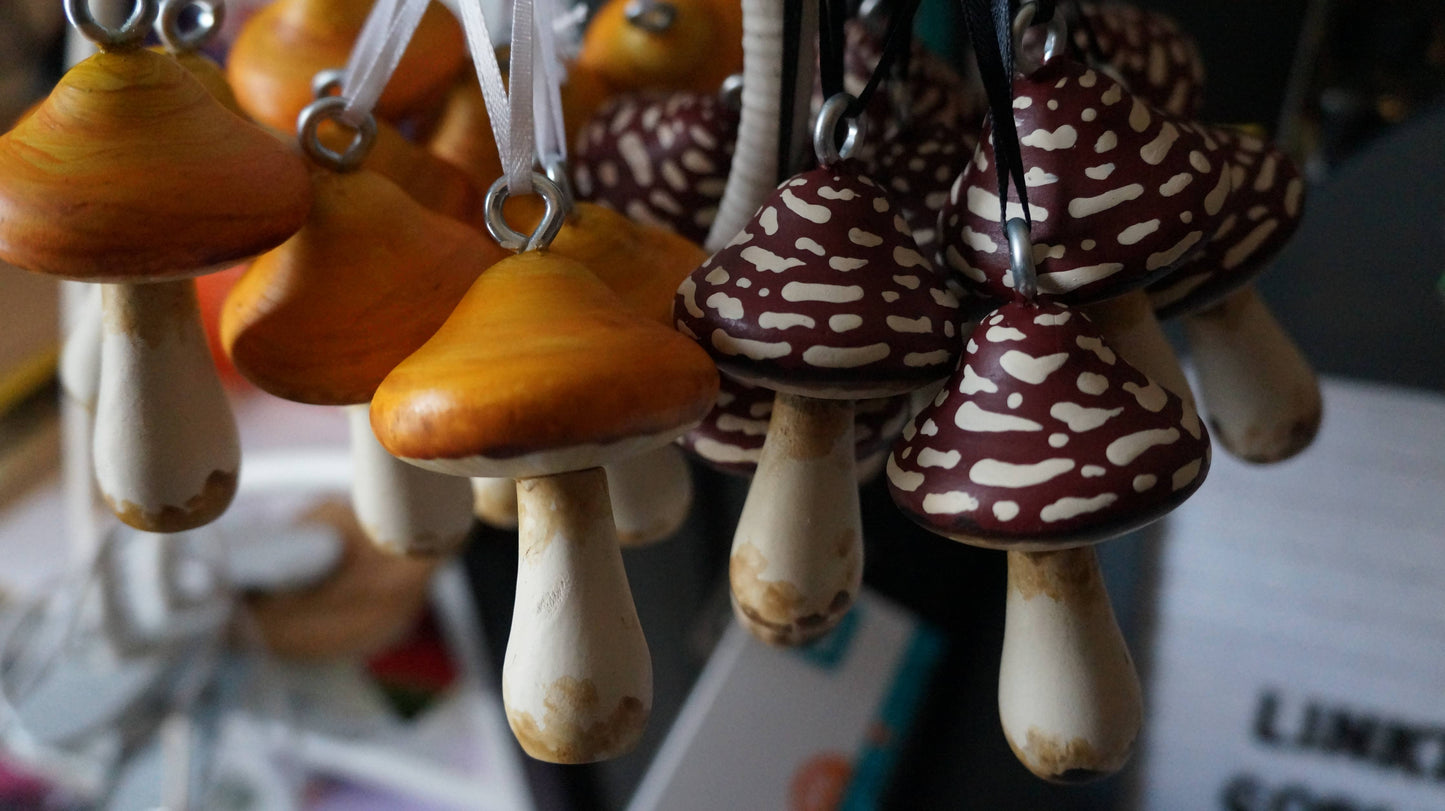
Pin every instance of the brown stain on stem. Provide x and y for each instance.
(1069, 761)
(153, 314)
(1065, 575)
(806, 428)
(201, 509)
(561, 506)
(575, 729)
(776, 611)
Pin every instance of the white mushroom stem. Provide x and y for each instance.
(1261, 395)
(1068, 694)
(797, 556)
(577, 678)
(403, 509)
(494, 501)
(755, 164)
(1129, 325)
(651, 495)
(166, 446)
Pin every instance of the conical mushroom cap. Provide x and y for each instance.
(287, 43)
(325, 316)
(213, 78)
(643, 264)
(131, 172)
(1263, 213)
(1119, 193)
(463, 134)
(541, 369)
(1150, 53)
(660, 158)
(1044, 438)
(823, 294)
(699, 49)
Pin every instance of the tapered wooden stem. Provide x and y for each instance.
(1068, 695)
(1129, 325)
(1261, 396)
(651, 495)
(577, 677)
(797, 556)
(403, 509)
(166, 447)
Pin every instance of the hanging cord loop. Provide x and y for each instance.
(129, 34)
(990, 29)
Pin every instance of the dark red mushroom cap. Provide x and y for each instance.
(1157, 61)
(1119, 193)
(1044, 438)
(730, 438)
(1262, 215)
(823, 294)
(660, 158)
(917, 157)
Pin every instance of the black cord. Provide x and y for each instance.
(792, 46)
(990, 29)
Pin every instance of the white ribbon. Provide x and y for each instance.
(377, 52)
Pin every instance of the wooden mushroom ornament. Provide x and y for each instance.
(663, 44)
(1259, 393)
(1119, 195)
(1045, 441)
(283, 46)
(130, 173)
(824, 299)
(661, 159)
(496, 392)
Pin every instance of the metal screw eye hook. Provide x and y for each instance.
(731, 92)
(131, 33)
(553, 216)
(181, 38)
(825, 130)
(1021, 258)
(327, 83)
(1056, 36)
(333, 108)
(653, 16)
(556, 171)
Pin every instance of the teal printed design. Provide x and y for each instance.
(895, 717)
(827, 651)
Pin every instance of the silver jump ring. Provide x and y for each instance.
(731, 92)
(131, 32)
(1021, 258)
(653, 16)
(552, 217)
(1055, 36)
(825, 130)
(210, 14)
(332, 108)
(556, 171)
(327, 82)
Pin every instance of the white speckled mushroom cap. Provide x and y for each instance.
(823, 294)
(660, 158)
(1151, 54)
(1119, 194)
(730, 438)
(1045, 438)
(1262, 214)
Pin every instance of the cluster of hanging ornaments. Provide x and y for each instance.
(549, 356)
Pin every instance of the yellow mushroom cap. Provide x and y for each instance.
(130, 171)
(285, 45)
(325, 316)
(541, 359)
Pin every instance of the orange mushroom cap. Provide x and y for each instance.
(641, 263)
(324, 317)
(285, 45)
(130, 171)
(700, 47)
(541, 369)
